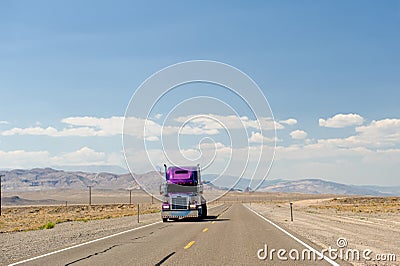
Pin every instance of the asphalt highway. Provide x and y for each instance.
(231, 235)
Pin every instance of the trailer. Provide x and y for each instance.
(182, 194)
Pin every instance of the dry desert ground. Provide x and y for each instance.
(364, 222)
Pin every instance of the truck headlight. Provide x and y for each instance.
(192, 206)
(165, 206)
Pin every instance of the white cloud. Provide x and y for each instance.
(158, 116)
(379, 139)
(298, 134)
(213, 157)
(31, 159)
(342, 120)
(30, 131)
(86, 126)
(257, 137)
(386, 128)
(192, 130)
(152, 138)
(378, 134)
(363, 157)
(383, 156)
(2, 122)
(319, 150)
(23, 159)
(77, 126)
(152, 131)
(102, 126)
(53, 132)
(212, 145)
(290, 121)
(373, 148)
(376, 143)
(212, 121)
(357, 164)
(83, 156)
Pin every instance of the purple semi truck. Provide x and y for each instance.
(182, 193)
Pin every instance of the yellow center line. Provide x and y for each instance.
(205, 230)
(213, 222)
(189, 245)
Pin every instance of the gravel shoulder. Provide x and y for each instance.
(17, 246)
(377, 231)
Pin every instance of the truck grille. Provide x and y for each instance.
(179, 203)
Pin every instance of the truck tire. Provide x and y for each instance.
(165, 220)
(204, 211)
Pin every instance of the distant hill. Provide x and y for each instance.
(48, 178)
(229, 182)
(94, 169)
(307, 186)
(15, 201)
(318, 186)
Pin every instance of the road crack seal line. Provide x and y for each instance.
(139, 237)
(91, 255)
(162, 227)
(164, 259)
(224, 211)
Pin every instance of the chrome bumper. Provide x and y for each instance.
(179, 213)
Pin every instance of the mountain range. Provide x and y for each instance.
(48, 178)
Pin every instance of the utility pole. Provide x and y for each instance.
(90, 190)
(130, 196)
(90, 196)
(0, 193)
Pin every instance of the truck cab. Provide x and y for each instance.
(182, 193)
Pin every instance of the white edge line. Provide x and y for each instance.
(295, 238)
(82, 244)
(91, 241)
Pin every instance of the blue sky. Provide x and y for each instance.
(312, 60)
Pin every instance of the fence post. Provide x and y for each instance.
(90, 196)
(0, 193)
(291, 211)
(138, 211)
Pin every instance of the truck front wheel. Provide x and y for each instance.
(204, 211)
(165, 220)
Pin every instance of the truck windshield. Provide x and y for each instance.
(183, 174)
(180, 172)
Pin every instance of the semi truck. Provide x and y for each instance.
(182, 193)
